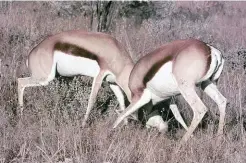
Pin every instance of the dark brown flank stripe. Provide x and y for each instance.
(154, 69)
(74, 50)
(209, 58)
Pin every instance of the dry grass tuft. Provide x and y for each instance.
(50, 128)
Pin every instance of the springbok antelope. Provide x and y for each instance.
(78, 52)
(176, 68)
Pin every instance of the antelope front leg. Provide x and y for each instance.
(134, 106)
(177, 115)
(97, 81)
(212, 91)
(121, 99)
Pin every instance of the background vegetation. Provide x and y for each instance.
(50, 128)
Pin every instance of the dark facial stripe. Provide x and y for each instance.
(74, 50)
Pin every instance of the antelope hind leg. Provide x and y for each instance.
(27, 82)
(121, 99)
(197, 106)
(212, 91)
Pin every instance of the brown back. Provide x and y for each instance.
(97, 46)
(147, 66)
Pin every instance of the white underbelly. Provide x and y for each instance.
(69, 65)
(163, 84)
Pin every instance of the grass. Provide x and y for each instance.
(50, 128)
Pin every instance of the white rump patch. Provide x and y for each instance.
(215, 61)
(69, 65)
